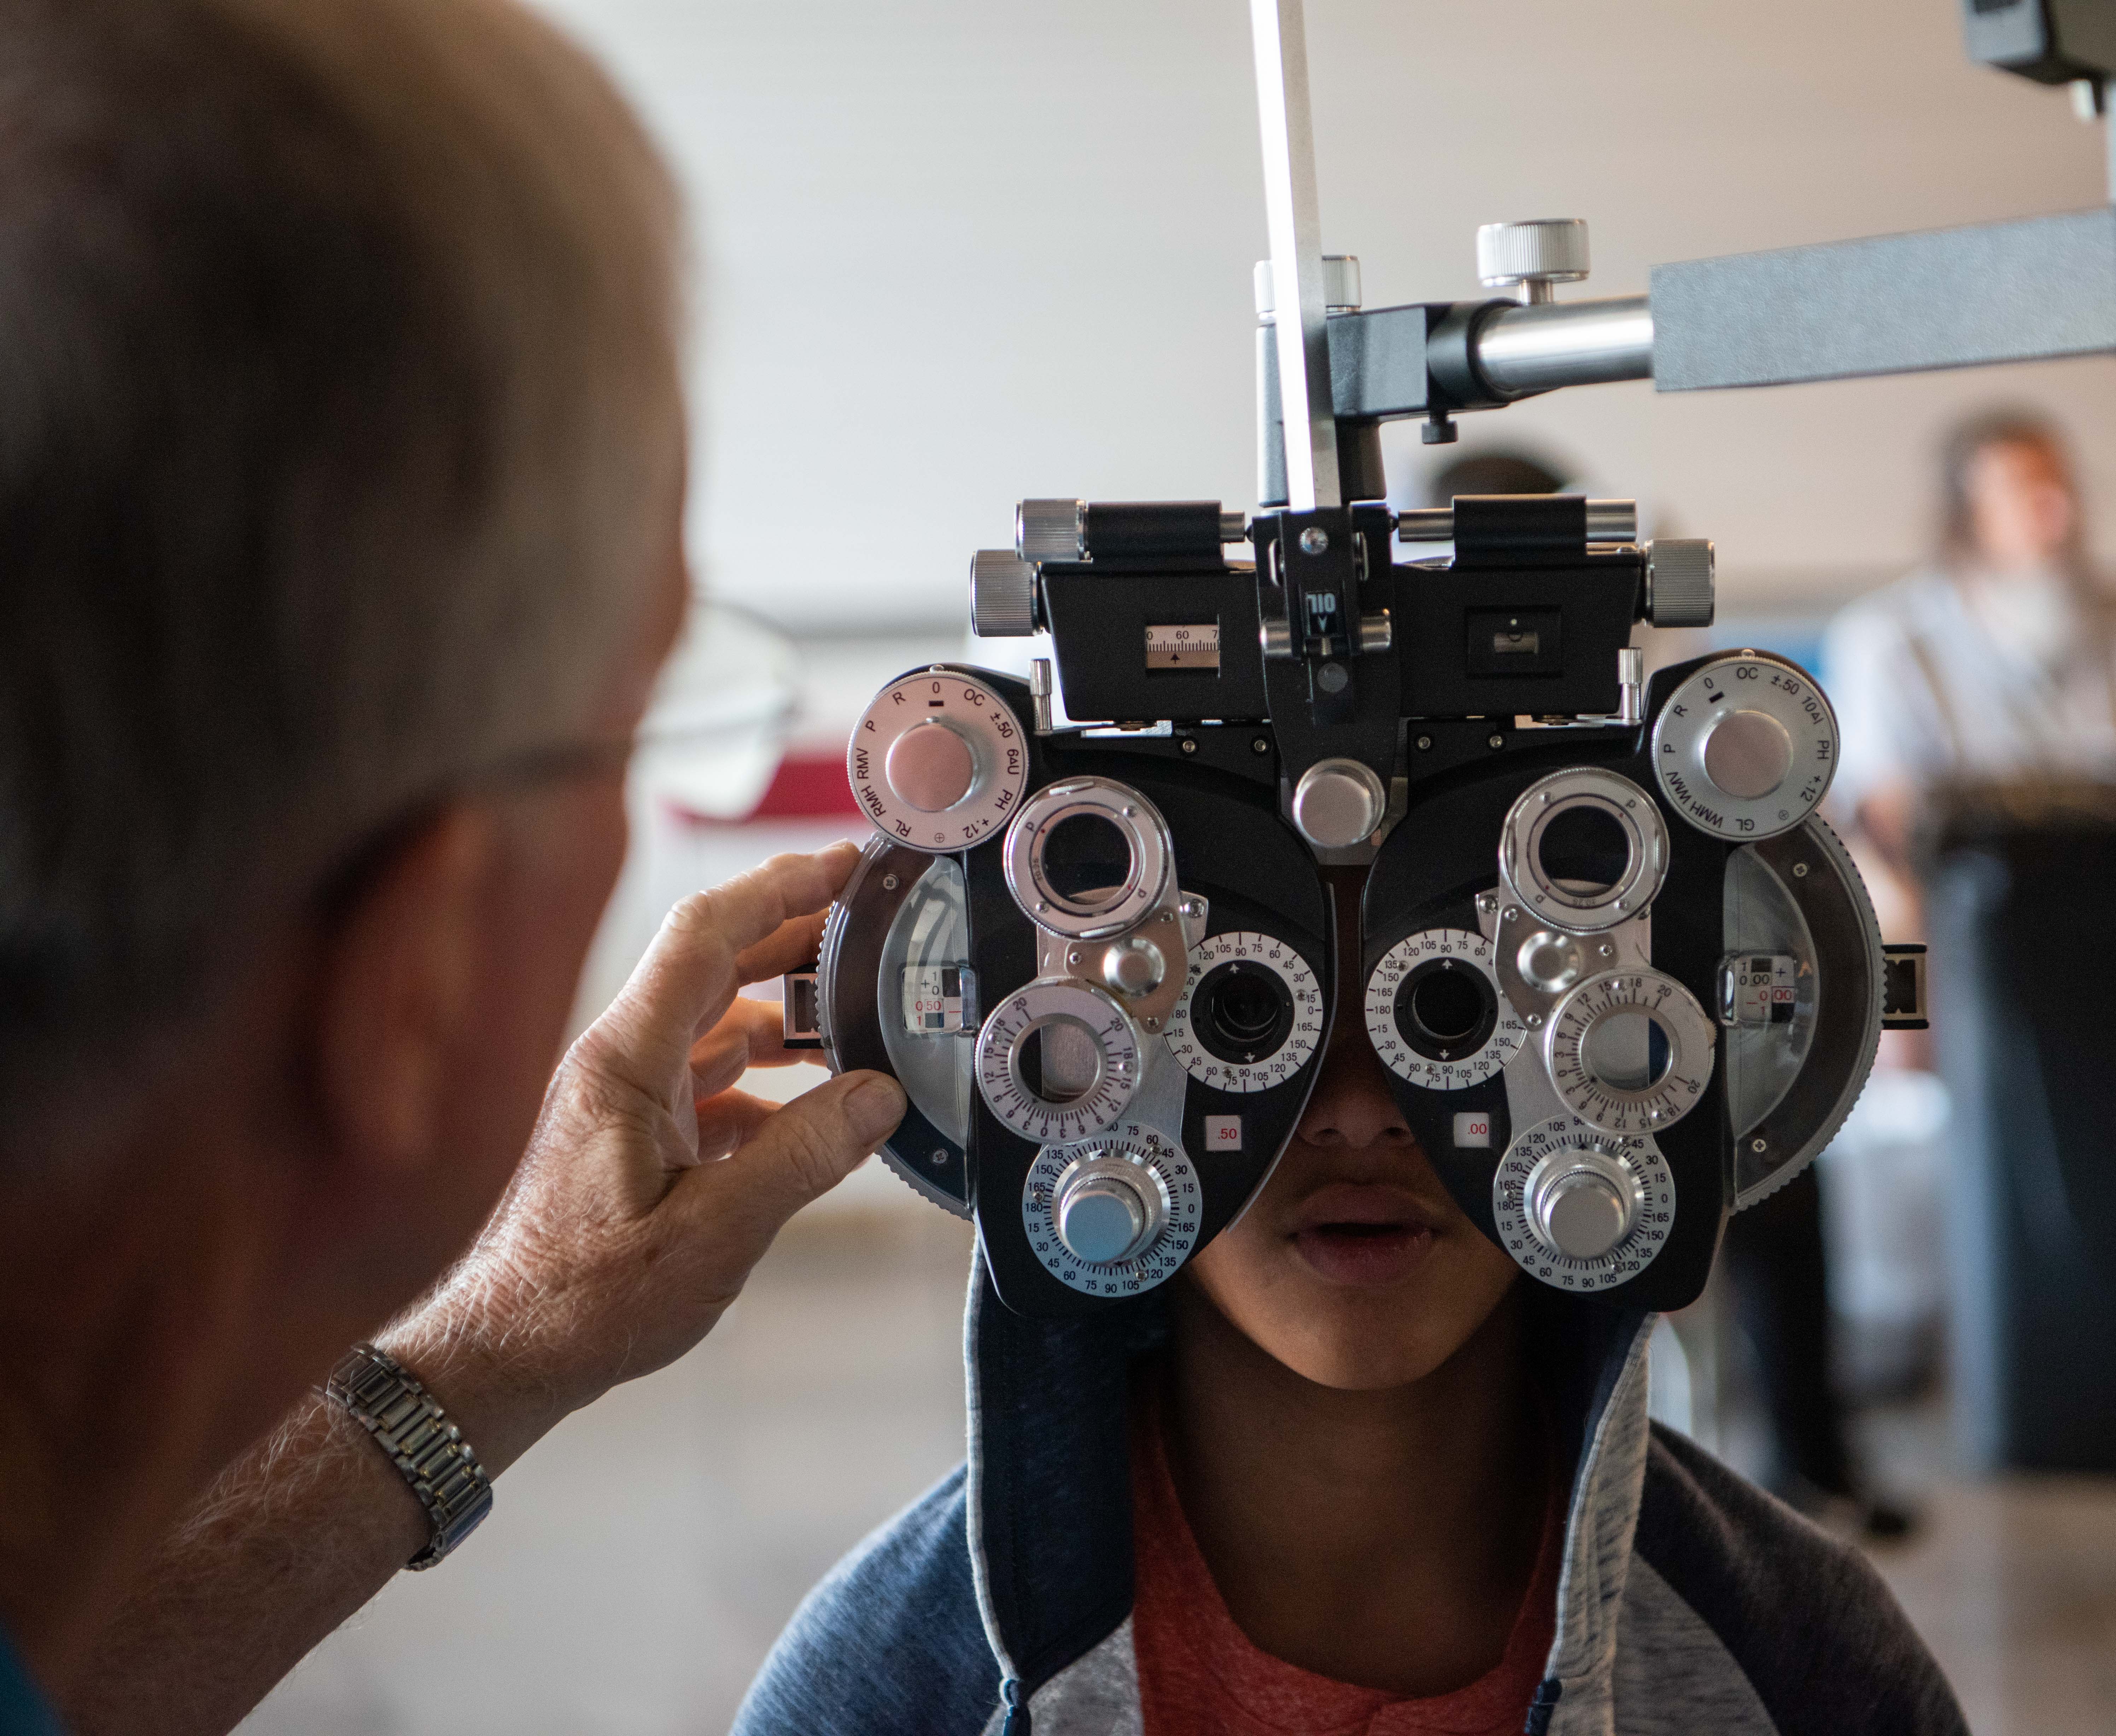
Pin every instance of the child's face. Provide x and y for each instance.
(1354, 1267)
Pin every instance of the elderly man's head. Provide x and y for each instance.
(340, 464)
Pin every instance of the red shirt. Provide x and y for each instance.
(1199, 1674)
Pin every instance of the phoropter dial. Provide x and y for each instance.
(1434, 1012)
(1058, 1061)
(1584, 849)
(1629, 1051)
(1087, 858)
(1250, 1016)
(938, 761)
(1579, 1209)
(1745, 747)
(1114, 1215)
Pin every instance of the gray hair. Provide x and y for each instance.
(337, 389)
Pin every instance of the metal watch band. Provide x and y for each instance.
(427, 1450)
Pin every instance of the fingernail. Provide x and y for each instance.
(877, 1106)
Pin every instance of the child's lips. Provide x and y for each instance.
(1367, 1235)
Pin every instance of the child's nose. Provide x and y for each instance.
(1353, 1107)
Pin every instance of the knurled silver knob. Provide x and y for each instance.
(1532, 256)
(1581, 1204)
(1341, 284)
(1002, 594)
(1108, 1210)
(1050, 530)
(1679, 581)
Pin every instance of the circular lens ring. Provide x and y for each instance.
(1607, 794)
(1268, 955)
(997, 1061)
(1238, 1033)
(1620, 1110)
(1038, 890)
(1417, 956)
(1423, 1008)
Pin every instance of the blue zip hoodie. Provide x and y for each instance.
(999, 1604)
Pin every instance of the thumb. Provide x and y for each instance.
(689, 975)
(803, 1151)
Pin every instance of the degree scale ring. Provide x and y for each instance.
(1448, 947)
(1161, 1258)
(1263, 953)
(1629, 1257)
(1611, 1108)
(1047, 1001)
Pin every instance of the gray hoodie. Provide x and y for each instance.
(999, 1604)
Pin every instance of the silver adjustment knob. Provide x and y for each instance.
(1583, 1203)
(930, 767)
(1107, 1210)
(1135, 966)
(1748, 754)
(1050, 530)
(1532, 258)
(1340, 286)
(1002, 594)
(1680, 581)
(1338, 803)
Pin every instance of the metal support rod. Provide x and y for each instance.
(1527, 349)
(1287, 126)
(1609, 523)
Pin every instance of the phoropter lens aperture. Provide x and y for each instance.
(1446, 1009)
(1086, 860)
(1585, 850)
(1628, 1051)
(1242, 1012)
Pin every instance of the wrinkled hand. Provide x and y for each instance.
(650, 1187)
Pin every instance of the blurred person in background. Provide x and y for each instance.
(341, 474)
(1992, 664)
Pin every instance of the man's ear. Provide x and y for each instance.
(397, 984)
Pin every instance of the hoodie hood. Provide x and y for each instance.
(999, 1603)
(1049, 1489)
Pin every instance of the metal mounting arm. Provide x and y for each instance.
(1284, 119)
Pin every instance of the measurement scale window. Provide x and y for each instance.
(1190, 646)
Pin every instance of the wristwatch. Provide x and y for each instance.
(427, 1450)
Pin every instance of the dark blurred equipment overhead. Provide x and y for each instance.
(2053, 42)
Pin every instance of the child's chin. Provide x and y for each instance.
(1376, 1259)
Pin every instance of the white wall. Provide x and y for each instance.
(958, 251)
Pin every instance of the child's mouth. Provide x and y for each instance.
(1369, 1255)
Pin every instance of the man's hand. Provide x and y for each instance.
(651, 1186)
